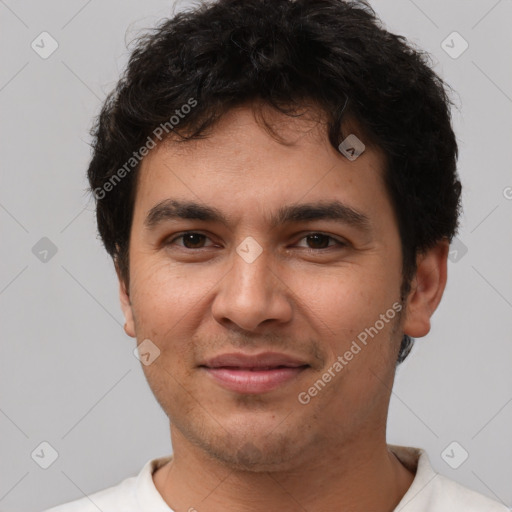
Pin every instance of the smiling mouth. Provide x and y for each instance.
(255, 368)
(254, 380)
(249, 374)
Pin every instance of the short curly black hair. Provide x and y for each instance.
(194, 67)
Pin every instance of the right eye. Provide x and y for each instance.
(191, 240)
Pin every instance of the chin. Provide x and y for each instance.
(256, 455)
(250, 443)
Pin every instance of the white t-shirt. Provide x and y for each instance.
(429, 491)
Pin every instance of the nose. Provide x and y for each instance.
(252, 293)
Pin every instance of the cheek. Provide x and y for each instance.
(346, 314)
(162, 290)
(346, 298)
(167, 301)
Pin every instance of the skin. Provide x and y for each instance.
(268, 451)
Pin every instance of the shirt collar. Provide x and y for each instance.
(414, 459)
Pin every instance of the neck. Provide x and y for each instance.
(358, 476)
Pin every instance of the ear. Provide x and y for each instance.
(126, 306)
(427, 288)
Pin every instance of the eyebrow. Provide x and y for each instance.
(173, 209)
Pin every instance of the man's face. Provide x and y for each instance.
(279, 320)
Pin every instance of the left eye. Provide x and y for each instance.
(319, 239)
(194, 240)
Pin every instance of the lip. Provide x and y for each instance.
(253, 374)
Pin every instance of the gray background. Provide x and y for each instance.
(67, 372)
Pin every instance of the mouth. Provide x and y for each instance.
(253, 374)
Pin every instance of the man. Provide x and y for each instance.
(276, 183)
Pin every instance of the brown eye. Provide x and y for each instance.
(191, 240)
(320, 241)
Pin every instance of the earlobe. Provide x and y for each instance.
(427, 289)
(126, 306)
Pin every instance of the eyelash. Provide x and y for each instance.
(340, 243)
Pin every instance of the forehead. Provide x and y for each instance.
(240, 166)
(259, 124)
